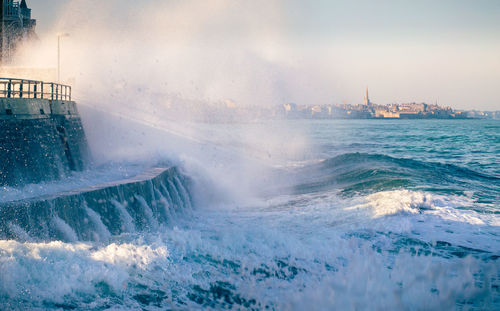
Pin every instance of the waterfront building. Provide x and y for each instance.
(16, 25)
(316, 110)
(386, 112)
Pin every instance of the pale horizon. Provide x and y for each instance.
(320, 52)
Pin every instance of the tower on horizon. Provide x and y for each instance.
(367, 99)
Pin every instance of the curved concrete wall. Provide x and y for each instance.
(98, 212)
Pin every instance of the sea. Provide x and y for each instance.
(289, 215)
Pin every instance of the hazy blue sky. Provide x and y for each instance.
(445, 51)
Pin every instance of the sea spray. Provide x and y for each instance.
(168, 197)
(102, 233)
(176, 198)
(127, 223)
(186, 200)
(19, 233)
(62, 230)
(164, 206)
(151, 221)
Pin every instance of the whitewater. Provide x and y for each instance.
(279, 215)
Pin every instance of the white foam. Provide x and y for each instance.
(418, 202)
(253, 252)
(130, 255)
(429, 217)
(39, 272)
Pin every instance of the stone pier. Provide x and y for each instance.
(41, 139)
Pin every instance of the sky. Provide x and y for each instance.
(273, 52)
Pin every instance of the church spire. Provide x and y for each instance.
(367, 99)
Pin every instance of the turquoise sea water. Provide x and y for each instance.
(358, 215)
(438, 155)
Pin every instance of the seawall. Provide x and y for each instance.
(41, 140)
(96, 213)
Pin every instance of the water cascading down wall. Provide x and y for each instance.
(43, 140)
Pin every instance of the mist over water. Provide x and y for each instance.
(352, 214)
(160, 52)
(273, 52)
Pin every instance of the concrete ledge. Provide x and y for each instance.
(63, 107)
(24, 108)
(148, 175)
(35, 108)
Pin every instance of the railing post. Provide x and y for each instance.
(21, 89)
(52, 91)
(9, 88)
(41, 90)
(70, 93)
(34, 90)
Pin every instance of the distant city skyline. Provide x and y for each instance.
(296, 51)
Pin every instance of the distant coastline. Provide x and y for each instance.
(229, 111)
(390, 111)
(369, 110)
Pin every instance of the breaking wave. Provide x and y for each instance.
(361, 173)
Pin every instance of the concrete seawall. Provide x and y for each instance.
(96, 213)
(41, 140)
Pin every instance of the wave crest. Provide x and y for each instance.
(360, 173)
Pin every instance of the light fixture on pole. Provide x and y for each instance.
(59, 36)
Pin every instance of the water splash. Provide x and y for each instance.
(183, 193)
(176, 198)
(168, 197)
(63, 230)
(152, 223)
(102, 231)
(19, 233)
(164, 205)
(127, 223)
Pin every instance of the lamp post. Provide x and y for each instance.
(59, 36)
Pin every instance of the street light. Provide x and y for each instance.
(59, 36)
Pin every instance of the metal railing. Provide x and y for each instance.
(22, 88)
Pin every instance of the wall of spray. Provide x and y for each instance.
(129, 64)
